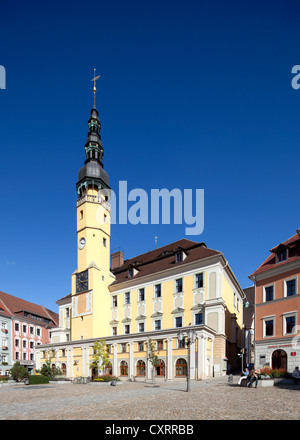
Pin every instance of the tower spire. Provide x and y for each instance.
(94, 88)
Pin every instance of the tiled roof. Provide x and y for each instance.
(293, 245)
(16, 306)
(162, 258)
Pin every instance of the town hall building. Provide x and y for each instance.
(175, 288)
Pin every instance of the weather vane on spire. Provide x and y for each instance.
(94, 89)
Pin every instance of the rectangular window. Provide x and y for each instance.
(178, 321)
(142, 294)
(198, 318)
(17, 327)
(291, 287)
(158, 291)
(31, 344)
(290, 322)
(16, 342)
(115, 301)
(141, 327)
(140, 346)
(123, 348)
(157, 324)
(160, 344)
(178, 285)
(24, 328)
(104, 242)
(127, 329)
(269, 327)
(199, 282)
(17, 355)
(282, 256)
(269, 292)
(181, 344)
(115, 331)
(127, 298)
(38, 332)
(31, 330)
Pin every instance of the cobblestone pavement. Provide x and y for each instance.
(212, 399)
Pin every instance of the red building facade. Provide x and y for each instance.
(30, 327)
(277, 306)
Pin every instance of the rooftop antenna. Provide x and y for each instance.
(94, 88)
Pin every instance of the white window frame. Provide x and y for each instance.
(285, 286)
(268, 318)
(289, 315)
(264, 292)
(139, 330)
(195, 279)
(154, 290)
(175, 285)
(154, 321)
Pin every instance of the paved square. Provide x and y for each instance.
(211, 399)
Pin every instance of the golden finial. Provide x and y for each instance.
(94, 89)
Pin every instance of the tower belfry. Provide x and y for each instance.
(92, 277)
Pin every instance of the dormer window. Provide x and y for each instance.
(281, 253)
(180, 255)
(132, 271)
(282, 256)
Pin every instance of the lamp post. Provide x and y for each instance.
(191, 337)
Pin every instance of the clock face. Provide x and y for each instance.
(82, 282)
(81, 243)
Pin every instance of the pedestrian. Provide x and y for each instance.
(296, 375)
(244, 375)
(254, 377)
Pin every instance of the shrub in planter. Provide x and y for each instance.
(37, 379)
(18, 372)
(273, 373)
(105, 378)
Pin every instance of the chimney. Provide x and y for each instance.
(116, 259)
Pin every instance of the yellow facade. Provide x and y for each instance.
(104, 308)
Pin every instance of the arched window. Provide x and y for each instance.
(140, 368)
(181, 367)
(160, 368)
(124, 368)
(63, 368)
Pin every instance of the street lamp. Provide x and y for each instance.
(191, 337)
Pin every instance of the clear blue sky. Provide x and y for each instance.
(192, 94)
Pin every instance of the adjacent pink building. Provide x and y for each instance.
(277, 306)
(31, 325)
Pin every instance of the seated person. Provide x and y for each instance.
(296, 375)
(244, 375)
(254, 377)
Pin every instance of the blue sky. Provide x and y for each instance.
(192, 94)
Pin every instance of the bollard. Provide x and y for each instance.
(230, 378)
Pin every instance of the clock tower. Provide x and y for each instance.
(90, 294)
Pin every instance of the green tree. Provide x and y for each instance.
(152, 357)
(18, 372)
(100, 356)
(47, 369)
